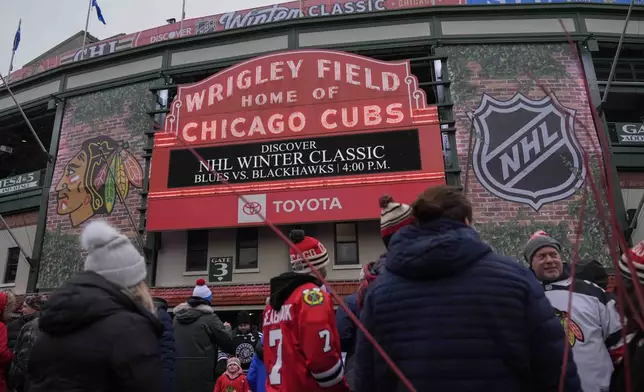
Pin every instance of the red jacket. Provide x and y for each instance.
(227, 384)
(301, 343)
(5, 357)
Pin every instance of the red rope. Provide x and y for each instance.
(317, 274)
(575, 258)
(607, 176)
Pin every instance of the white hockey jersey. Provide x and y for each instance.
(595, 329)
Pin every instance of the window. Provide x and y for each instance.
(247, 248)
(11, 269)
(346, 244)
(197, 256)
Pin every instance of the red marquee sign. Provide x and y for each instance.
(305, 135)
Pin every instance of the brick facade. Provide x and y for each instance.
(502, 71)
(115, 119)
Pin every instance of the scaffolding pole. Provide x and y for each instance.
(613, 67)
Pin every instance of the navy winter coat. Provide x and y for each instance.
(454, 316)
(166, 343)
(346, 327)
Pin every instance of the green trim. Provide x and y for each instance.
(388, 43)
(112, 83)
(32, 281)
(595, 100)
(25, 201)
(628, 161)
(27, 107)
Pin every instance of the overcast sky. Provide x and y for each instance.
(45, 23)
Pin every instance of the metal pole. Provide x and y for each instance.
(13, 237)
(89, 11)
(183, 16)
(13, 53)
(24, 116)
(619, 49)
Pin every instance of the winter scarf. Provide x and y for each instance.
(368, 274)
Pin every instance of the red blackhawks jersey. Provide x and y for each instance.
(301, 344)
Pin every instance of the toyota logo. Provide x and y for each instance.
(252, 208)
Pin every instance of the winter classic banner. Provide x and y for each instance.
(310, 119)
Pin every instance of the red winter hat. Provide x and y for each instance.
(311, 248)
(637, 257)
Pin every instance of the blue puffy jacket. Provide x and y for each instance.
(346, 327)
(455, 316)
(257, 374)
(168, 355)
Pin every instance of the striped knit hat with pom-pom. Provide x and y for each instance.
(393, 216)
(637, 257)
(311, 248)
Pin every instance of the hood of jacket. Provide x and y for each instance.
(191, 310)
(434, 250)
(282, 287)
(85, 299)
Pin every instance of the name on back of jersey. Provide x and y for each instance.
(277, 316)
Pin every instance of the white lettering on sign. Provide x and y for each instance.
(371, 116)
(322, 204)
(171, 35)
(272, 316)
(357, 76)
(243, 81)
(633, 129)
(214, 130)
(242, 127)
(351, 74)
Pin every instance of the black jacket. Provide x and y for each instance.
(13, 330)
(635, 352)
(199, 335)
(95, 337)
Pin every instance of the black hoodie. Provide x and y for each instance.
(96, 338)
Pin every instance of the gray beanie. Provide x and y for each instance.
(537, 241)
(112, 255)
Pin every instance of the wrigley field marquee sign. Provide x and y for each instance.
(312, 123)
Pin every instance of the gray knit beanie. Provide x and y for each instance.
(112, 255)
(537, 241)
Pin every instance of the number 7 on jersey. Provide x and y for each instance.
(275, 339)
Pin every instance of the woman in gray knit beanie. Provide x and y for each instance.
(98, 332)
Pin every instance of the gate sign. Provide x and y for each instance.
(21, 183)
(320, 122)
(526, 150)
(630, 133)
(220, 269)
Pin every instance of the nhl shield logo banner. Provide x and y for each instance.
(526, 150)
